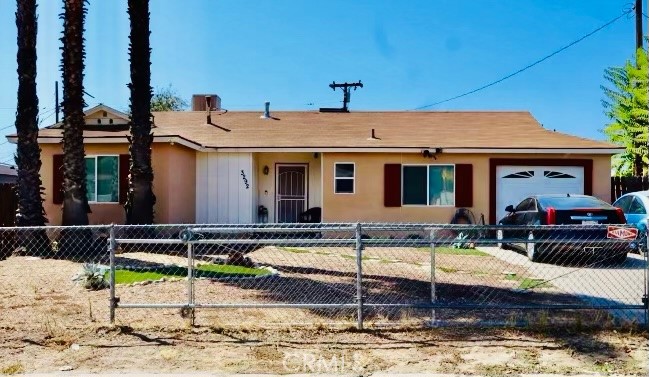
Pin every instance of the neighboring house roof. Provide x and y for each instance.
(101, 112)
(7, 174)
(459, 131)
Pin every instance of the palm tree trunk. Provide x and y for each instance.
(28, 154)
(140, 200)
(76, 242)
(75, 200)
(29, 188)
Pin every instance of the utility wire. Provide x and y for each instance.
(43, 113)
(626, 12)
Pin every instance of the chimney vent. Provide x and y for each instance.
(199, 102)
(266, 111)
(208, 106)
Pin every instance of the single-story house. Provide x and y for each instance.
(222, 166)
(8, 174)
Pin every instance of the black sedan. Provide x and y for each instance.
(568, 209)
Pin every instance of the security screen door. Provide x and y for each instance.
(291, 192)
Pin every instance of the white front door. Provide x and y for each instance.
(291, 193)
(515, 183)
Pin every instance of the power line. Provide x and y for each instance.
(50, 112)
(626, 12)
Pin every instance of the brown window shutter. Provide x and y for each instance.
(124, 168)
(57, 179)
(392, 185)
(464, 185)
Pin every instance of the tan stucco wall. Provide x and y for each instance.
(175, 173)
(366, 203)
(266, 183)
(602, 177)
(174, 167)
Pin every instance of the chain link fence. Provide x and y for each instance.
(365, 275)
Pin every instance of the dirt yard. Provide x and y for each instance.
(491, 352)
(49, 322)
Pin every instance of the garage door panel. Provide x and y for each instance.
(515, 183)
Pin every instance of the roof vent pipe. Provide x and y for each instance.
(373, 135)
(208, 107)
(266, 111)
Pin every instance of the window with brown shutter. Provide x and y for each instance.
(57, 179)
(464, 185)
(392, 185)
(124, 168)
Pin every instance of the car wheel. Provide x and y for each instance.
(499, 237)
(533, 249)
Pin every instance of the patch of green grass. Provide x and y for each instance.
(296, 250)
(215, 271)
(448, 270)
(128, 277)
(454, 251)
(528, 283)
(227, 269)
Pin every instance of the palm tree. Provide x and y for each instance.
(28, 154)
(75, 200)
(140, 200)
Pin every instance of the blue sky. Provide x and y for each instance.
(407, 53)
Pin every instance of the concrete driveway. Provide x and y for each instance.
(623, 284)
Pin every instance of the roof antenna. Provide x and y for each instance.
(346, 96)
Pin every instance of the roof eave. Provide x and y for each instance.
(118, 139)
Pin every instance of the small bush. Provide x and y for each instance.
(93, 277)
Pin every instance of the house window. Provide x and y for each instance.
(102, 179)
(344, 177)
(428, 185)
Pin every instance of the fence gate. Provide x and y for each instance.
(375, 274)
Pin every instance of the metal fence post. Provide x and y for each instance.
(359, 276)
(433, 288)
(190, 283)
(111, 251)
(645, 298)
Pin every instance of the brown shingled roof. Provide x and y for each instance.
(311, 129)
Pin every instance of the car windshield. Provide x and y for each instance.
(567, 202)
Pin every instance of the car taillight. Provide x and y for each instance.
(620, 215)
(551, 216)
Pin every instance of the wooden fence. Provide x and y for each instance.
(623, 185)
(8, 204)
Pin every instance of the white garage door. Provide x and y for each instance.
(515, 183)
